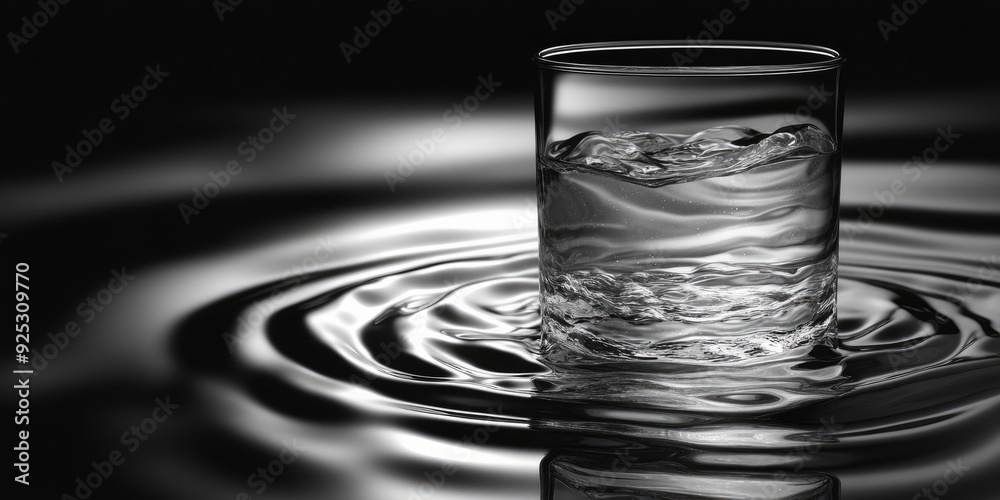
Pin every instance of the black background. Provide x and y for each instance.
(64, 78)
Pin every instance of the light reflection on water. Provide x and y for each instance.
(407, 363)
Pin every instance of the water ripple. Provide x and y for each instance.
(452, 335)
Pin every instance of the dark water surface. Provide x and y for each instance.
(391, 353)
(406, 365)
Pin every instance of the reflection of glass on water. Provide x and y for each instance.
(715, 247)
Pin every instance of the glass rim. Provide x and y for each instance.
(826, 58)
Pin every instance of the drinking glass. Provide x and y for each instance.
(688, 202)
